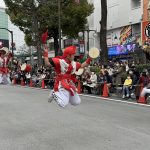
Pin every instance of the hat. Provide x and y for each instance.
(69, 51)
(4, 49)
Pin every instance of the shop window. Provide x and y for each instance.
(135, 4)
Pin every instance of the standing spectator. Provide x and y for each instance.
(100, 83)
(120, 74)
(107, 79)
(127, 66)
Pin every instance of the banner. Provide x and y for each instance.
(126, 35)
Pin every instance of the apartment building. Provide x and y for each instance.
(5, 36)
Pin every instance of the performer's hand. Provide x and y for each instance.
(45, 53)
(88, 60)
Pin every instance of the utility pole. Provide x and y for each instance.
(59, 25)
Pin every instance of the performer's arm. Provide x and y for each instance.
(46, 60)
(86, 63)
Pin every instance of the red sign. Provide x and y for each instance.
(145, 32)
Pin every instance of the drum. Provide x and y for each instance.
(94, 52)
(26, 67)
(79, 72)
(4, 49)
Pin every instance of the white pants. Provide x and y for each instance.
(4, 79)
(145, 91)
(63, 98)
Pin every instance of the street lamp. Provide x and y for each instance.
(81, 34)
(59, 24)
(11, 32)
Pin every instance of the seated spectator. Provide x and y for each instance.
(28, 77)
(146, 89)
(127, 84)
(144, 81)
(91, 82)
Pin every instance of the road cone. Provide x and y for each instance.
(43, 84)
(79, 87)
(105, 90)
(31, 83)
(141, 99)
(22, 82)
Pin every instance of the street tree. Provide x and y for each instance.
(25, 15)
(73, 18)
(34, 17)
(103, 32)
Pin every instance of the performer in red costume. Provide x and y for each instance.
(64, 88)
(4, 71)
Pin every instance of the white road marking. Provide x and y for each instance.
(115, 100)
(97, 97)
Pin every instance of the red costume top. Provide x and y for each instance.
(4, 64)
(65, 71)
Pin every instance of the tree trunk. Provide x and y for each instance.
(39, 54)
(103, 32)
(56, 43)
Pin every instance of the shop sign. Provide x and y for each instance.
(126, 35)
(145, 32)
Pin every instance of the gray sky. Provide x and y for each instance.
(2, 4)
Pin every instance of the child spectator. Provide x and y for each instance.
(126, 86)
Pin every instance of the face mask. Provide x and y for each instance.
(128, 78)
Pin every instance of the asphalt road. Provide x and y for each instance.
(29, 122)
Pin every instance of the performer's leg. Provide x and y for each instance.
(62, 97)
(4, 79)
(1, 78)
(8, 79)
(51, 96)
(75, 100)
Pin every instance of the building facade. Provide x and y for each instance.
(124, 25)
(4, 37)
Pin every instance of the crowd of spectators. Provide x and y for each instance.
(36, 75)
(121, 78)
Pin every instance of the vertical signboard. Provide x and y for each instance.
(145, 32)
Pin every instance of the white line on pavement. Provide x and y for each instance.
(115, 100)
(97, 97)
